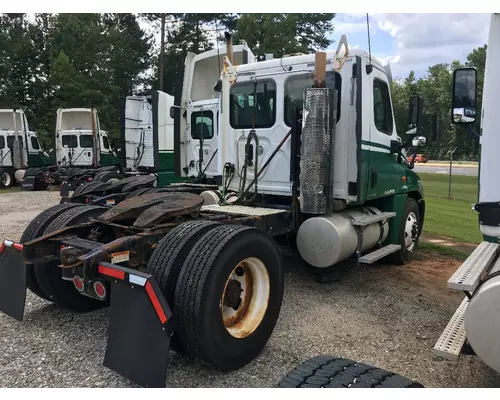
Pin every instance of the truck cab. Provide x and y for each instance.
(198, 139)
(17, 155)
(368, 162)
(74, 143)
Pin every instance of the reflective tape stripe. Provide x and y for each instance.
(111, 272)
(137, 280)
(156, 303)
(10, 243)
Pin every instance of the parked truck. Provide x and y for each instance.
(20, 152)
(82, 148)
(307, 149)
(474, 326)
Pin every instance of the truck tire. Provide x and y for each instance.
(36, 228)
(109, 177)
(208, 295)
(6, 178)
(48, 275)
(408, 231)
(168, 257)
(334, 372)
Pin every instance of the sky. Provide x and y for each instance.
(413, 41)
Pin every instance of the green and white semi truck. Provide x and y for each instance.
(20, 152)
(307, 149)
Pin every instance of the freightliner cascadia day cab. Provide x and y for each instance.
(307, 149)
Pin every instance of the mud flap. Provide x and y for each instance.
(12, 279)
(140, 327)
(64, 189)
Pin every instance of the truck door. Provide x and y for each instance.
(201, 141)
(385, 174)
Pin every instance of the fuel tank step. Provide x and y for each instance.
(371, 219)
(468, 276)
(451, 341)
(376, 255)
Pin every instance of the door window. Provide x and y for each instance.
(294, 92)
(34, 143)
(202, 122)
(10, 141)
(382, 110)
(253, 104)
(69, 141)
(86, 141)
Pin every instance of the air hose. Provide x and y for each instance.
(244, 192)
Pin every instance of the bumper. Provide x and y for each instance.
(140, 327)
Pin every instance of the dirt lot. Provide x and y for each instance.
(382, 315)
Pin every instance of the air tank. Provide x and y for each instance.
(326, 240)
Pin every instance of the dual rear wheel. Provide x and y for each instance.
(225, 285)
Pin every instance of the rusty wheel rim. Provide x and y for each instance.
(245, 298)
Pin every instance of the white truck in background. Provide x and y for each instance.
(74, 143)
(475, 326)
(19, 149)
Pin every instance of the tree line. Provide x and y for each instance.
(48, 61)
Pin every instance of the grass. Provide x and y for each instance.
(12, 189)
(451, 217)
(430, 248)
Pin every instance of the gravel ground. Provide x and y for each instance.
(385, 316)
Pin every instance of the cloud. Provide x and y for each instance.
(423, 40)
(415, 41)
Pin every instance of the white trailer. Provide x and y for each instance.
(475, 326)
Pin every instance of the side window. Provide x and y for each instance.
(294, 92)
(2, 142)
(251, 97)
(69, 141)
(86, 141)
(105, 142)
(10, 141)
(382, 110)
(202, 122)
(34, 143)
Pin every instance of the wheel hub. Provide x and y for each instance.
(232, 296)
(411, 231)
(245, 297)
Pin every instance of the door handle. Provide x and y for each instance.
(374, 178)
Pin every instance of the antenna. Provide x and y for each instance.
(217, 41)
(369, 68)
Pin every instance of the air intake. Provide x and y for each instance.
(317, 150)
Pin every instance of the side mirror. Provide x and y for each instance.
(172, 112)
(464, 96)
(419, 141)
(414, 111)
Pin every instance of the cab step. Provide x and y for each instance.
(468, 276)
(376, 255)
(451, 341)
(371, 219)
